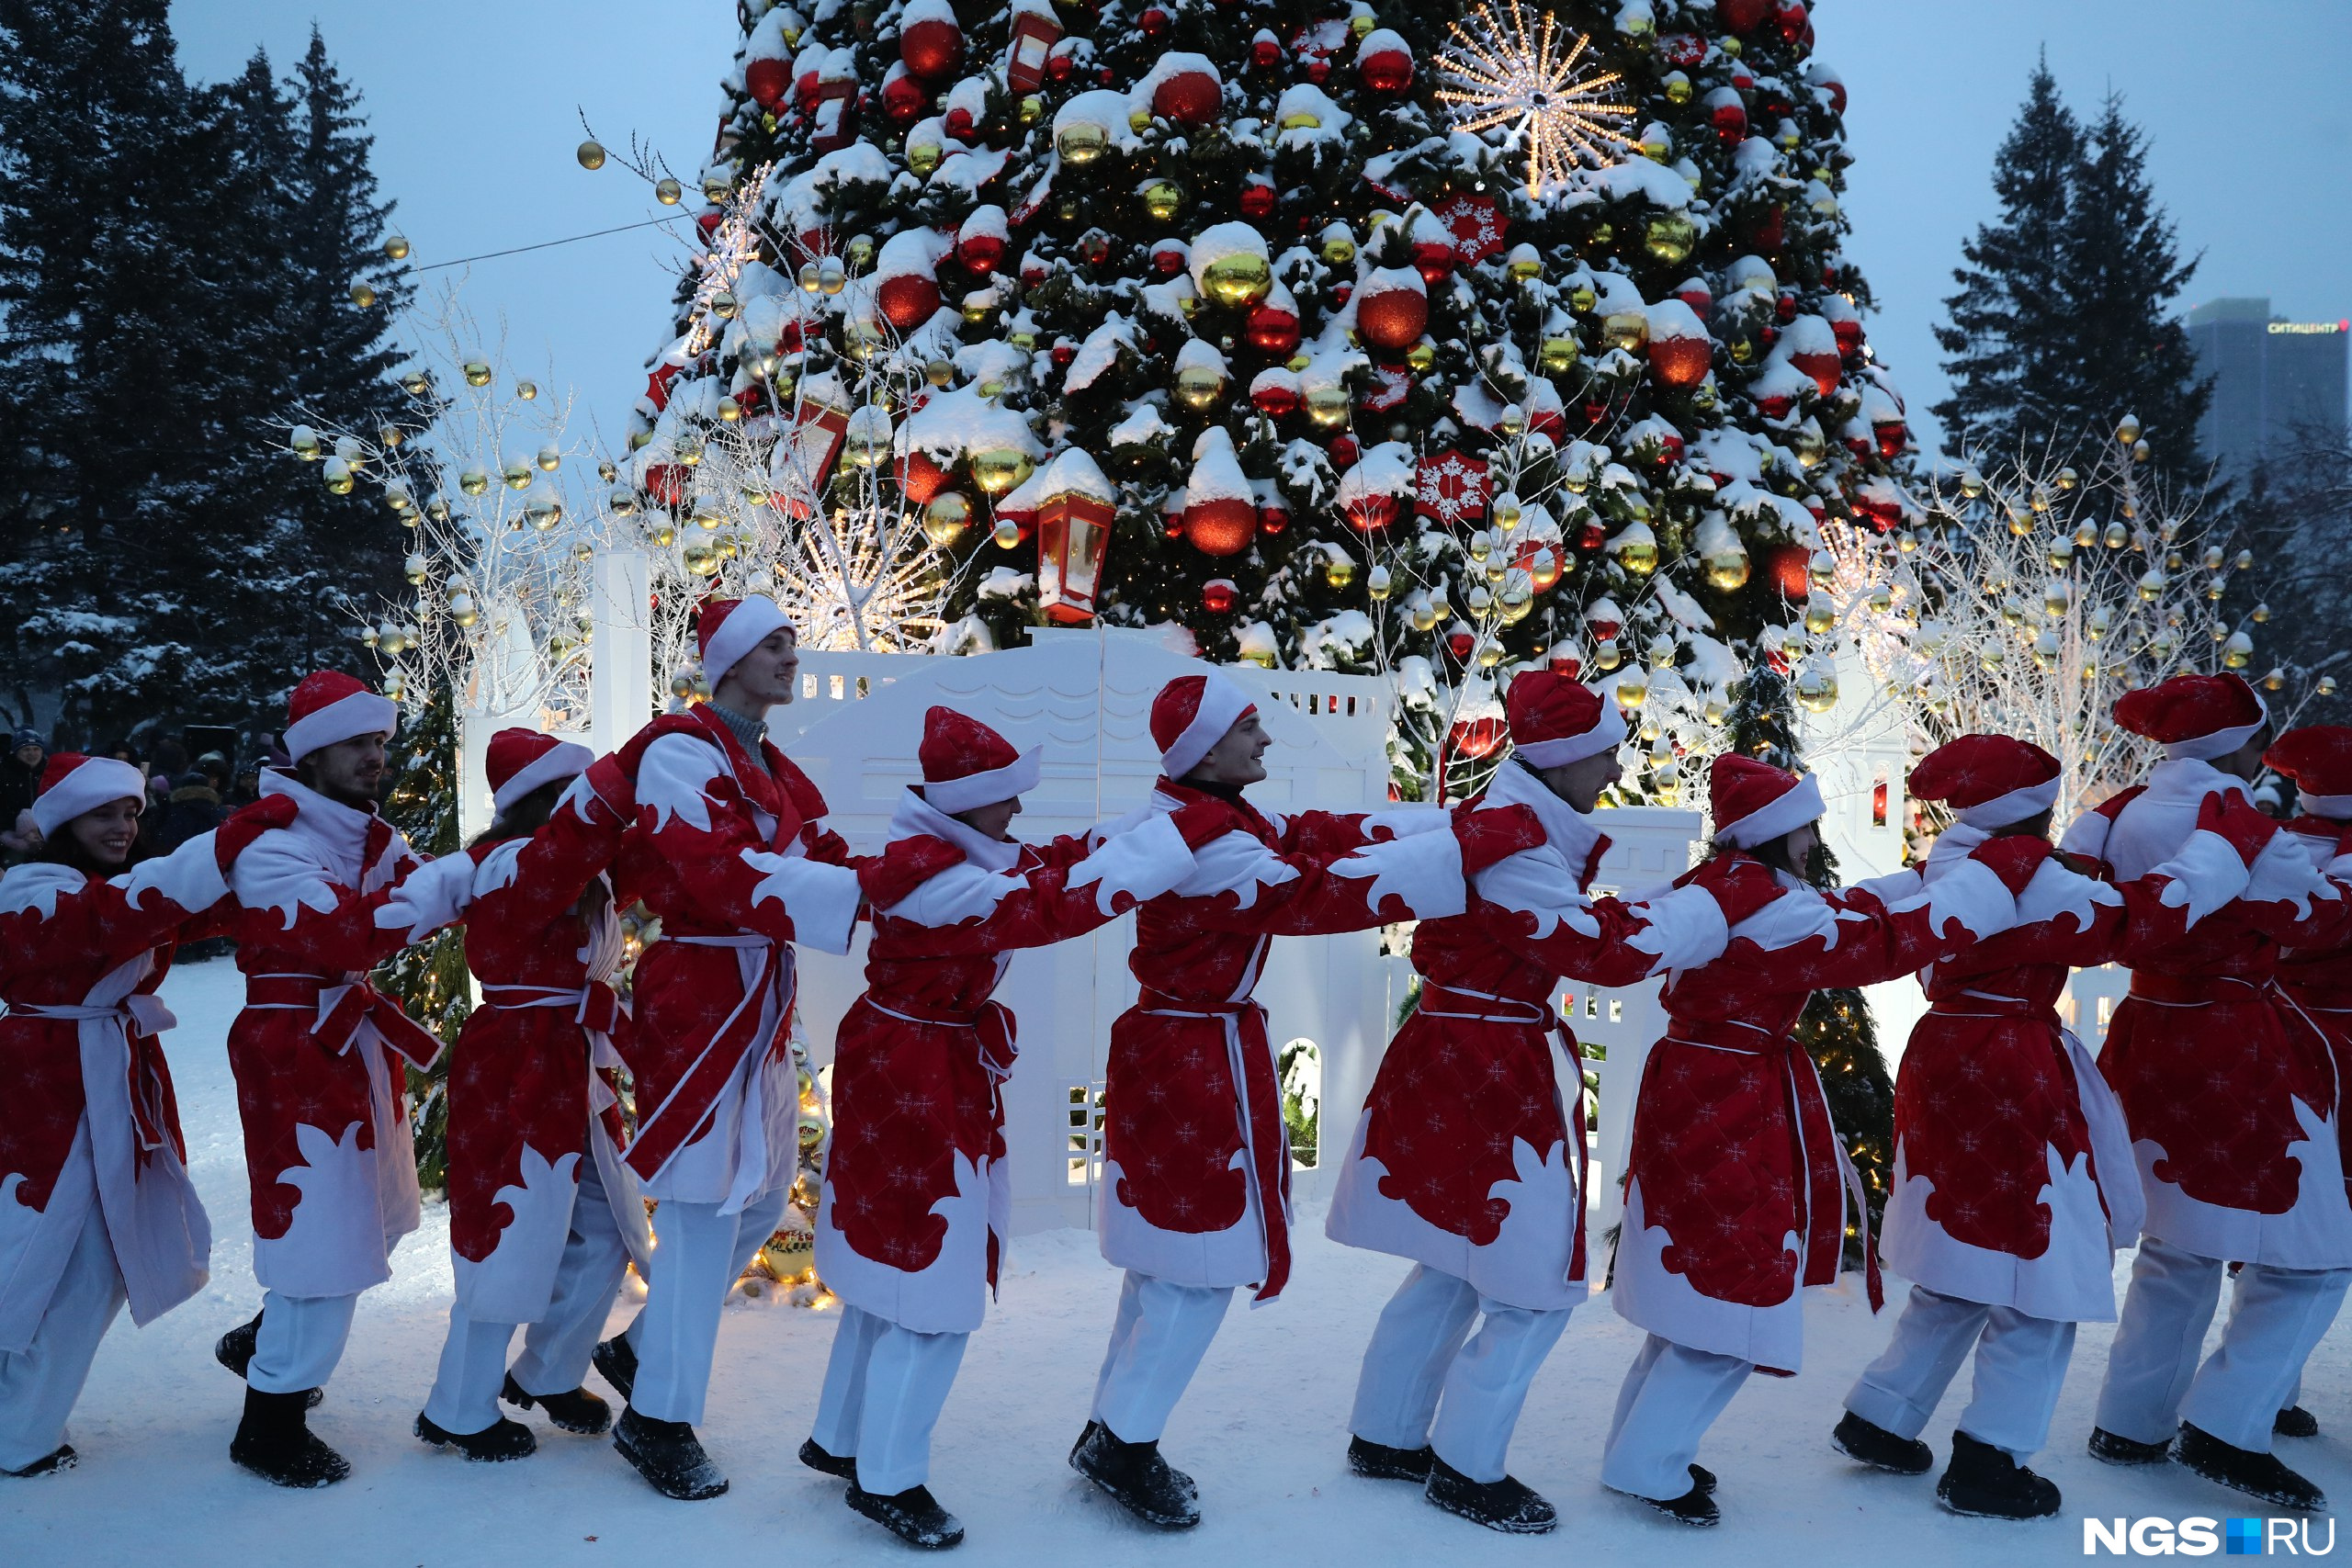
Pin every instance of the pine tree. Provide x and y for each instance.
(1228, 256)
(430, 980)
(2009, 339)
(1835, 1028)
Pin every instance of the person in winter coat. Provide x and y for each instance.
(543, 1218)
(1196, 1192)
(910, 1228)
(95, 1204)
(21, 776)
(193, 807)
(1733, 1153)
(1467, 1159)
(2235, 1113)
(728, 847)
(2013, 1179)
(319, 1058)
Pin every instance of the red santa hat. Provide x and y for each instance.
(1989, 781)
(2318, 757)
(966, 765)
(2199, 717)
(1191, 714)
(331, 706)
(1755, 802)
(1556, 719)
(74, 783)
(520, 760)
(730, 628)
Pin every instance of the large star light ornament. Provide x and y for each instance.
(1530, 77)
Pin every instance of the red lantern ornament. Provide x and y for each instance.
(1274, 330)
(1222, 527)
(1385, 61)
(1029, 53)
(1073, 537)
(907, 301)
(929, 41)
(1258, 197)
(1219, 596)
(1393, 309)
(903, 97)
(919, 477)
(1189, 91)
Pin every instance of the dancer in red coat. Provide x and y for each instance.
(320, 1059)
(95, 1204)
(729, 848)
(1467, 1160)
(1195, 1195)
(543, 1216)
(2014, 1180)
(2234, 1117)
(1737, 1180)
(910, 1232)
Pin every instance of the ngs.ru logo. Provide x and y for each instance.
(2202, 1536)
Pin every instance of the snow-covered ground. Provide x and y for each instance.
(1264, 1430)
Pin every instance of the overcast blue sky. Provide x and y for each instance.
(475, 108)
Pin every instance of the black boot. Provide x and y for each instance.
(1507, 1505)
(2110, 1448)
(616, 1359)
(1137, 1478)
(841, 1467)
(913, 1515)
(1986, 1483)
(275, 1442)
(235, 1350)
(1704, 1479)
(668, 1455)
(2295, 1422)
(1192, 1488)
(494, 1444)
(1378, 1462)
(2243, 1470)
(1695, 1508)
(578, 1411)
(62, 1457)
(1867, 1442)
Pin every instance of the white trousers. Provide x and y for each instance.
(2154, 1381)
(40, 1384)
(556, 1348)
(1423, 1386)
(301, 1339)
(698, 1255)
(1156, 1342)
(884, 1389)
(2020, 1366)
(1671, 1396)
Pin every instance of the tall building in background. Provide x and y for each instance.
(2273, 379)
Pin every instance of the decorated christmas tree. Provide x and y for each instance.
(1425, 341)
(429, 979)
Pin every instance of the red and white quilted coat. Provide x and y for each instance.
(2316, 981)
(531, 1090)
(1466, 1158)
(1196, 1161)
(1737, 1180)
(2014, 1179)
(86, 1111)
(2233, 1114)
(917, 1198)
(320, 1056)
(736, 861)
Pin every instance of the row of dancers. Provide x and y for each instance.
(2206, 1131)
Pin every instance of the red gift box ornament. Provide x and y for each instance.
(834, 119)
(1073, 537)
(1450, 488)
(1034, 33)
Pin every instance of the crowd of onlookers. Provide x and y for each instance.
(187, 795)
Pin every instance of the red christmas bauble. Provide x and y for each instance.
(1730, 120)
(1477, 738)
(1220, 527)
(1318, 70)
(1681, 362)
(1892, 436)
(1433, 259)
(1566, 664)
(1386, 70)
(1155, 21)
(1371, 514)
(932, 47)
(1772, 230)
(1257, 199)
(1272, 518)
(1058, 67)
(1794, 20)
(907, 301)
(1172, 521)
(1785, 307)
(1785, 566)
(767, 81)
(1775, 405)
(919, 477)
(1682, 50)
(1265, 53)
(1392, 320)
(1591, 536)
(981, 253)
(1460, 644)
(1696, 295)
(1343, 452)
(1824, 368)
(1063, 354)
(1219, 596)
(1850, 337)
(1168, 260)
(903, 99)
(958, 123)
(1188, 97)
(1743, 16)
(1273, 331)
(1275, 400)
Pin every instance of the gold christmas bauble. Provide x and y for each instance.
(660, 531)
(1338, 570)
(1238, 280)
(544, 511)
(999, 468)
(708, 514)
(1727, 571)
(1032, 109)
(923, 157)
(551, 459)
(1556, 356)
(668, 192)
(702, 558)
(945, 518)
(415, 568)
(517, 473)
(1379, 583)
(1328, 406)
(1198, 387)
(1163, 199)
(305, 443)
(1081, 143)
(363, 293)
(687, 449)
(1421, 357)
(396, 247)
(1581, 298)
(1638, 557)
(1816, 689)
(591, 155)
(337, 476)
(622, 503)
(725, 306)
(1669, 237)
(1006, 535)
(1338, 250)
(477, 373)
(437, 510)
(474, 479)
